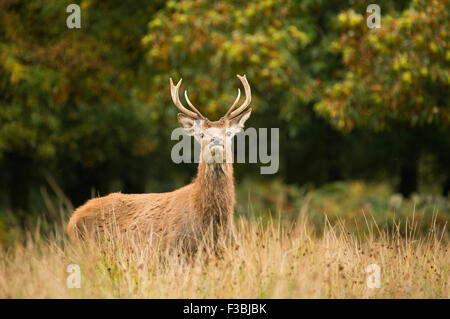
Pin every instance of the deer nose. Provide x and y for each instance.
(216, 140)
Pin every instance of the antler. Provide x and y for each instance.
(248, 98)
(176, 100)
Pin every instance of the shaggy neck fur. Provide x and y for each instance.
(214, 193)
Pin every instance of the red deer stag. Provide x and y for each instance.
(183, 216)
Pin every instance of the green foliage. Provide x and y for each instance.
(92, 108)
(352, 203)
(63, 91)
(208, 43)
(398, 72)
(68, 97)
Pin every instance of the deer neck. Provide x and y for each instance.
(214, 192)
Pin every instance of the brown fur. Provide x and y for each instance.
(180, 217)
(200, 210)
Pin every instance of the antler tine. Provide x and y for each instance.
(248, 98)
(176, 99)
(234, 104)
(191, 105)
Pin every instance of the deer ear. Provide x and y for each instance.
(237, 124)
(190, 125)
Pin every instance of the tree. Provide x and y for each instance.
(397, 76)
(68, 103)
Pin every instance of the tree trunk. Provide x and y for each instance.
(446, 188)
(408, 176)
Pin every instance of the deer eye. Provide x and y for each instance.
(202, 135)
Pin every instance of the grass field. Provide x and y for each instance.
(272, 259)
(279, 255)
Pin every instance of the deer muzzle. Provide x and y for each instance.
(216, 154)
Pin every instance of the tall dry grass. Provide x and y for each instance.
(270, 259)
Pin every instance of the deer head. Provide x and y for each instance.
(214, 136)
